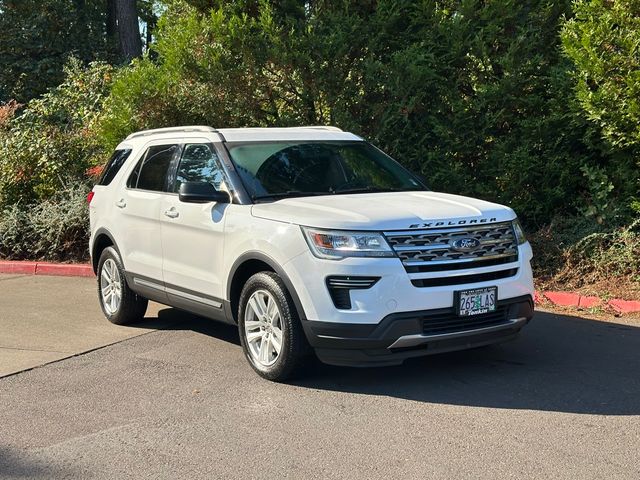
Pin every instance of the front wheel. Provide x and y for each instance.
(270, 331)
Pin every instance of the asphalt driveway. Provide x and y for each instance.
(179, 401)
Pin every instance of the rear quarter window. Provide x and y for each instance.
(114, 165)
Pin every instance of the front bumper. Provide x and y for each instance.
(411, 334)
(394, 291)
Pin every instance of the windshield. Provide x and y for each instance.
(280, 169)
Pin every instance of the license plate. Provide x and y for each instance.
(476, 301)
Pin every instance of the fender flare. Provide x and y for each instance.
(277, 268)
(99, 232)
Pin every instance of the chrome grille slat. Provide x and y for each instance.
(470, 260)
(409, 248)
(433, 247)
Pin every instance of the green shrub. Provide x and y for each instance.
(14, 222)
(606, 255)
(477, 96)
(474, 95)
(224, 67)
(55, 229)
(51, 143)
(575, 251)
(602, 39)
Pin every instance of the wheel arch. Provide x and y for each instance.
(102, 239)
(247, 265)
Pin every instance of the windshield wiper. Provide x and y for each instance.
(361, 190)
(299, 193)
(287, 194)
(374, 190)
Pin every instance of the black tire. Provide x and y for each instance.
(132, 306)
(295, 353)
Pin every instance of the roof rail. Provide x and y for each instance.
(201, 128)
(322, 127)
(194, 128)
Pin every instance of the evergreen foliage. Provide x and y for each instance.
(37, 37)
(534, 103)
(474, 95)
(52, 143)
(603, 41)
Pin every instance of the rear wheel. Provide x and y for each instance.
(270, 331)
(119, 303)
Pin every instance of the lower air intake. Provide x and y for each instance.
(451, 323)
(340, 288)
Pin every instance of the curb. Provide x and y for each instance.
(571, 299)
(46, 268)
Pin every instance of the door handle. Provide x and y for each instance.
(172, 213)
(121, 203)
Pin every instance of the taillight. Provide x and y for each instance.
(90, 196)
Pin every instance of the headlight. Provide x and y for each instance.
(336, 244)
(517, 228)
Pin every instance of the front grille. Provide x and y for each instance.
(451, 323)
(432, 250)
(441, 267)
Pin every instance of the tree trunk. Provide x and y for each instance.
(82, 28)
(128, 29)
(112, 23)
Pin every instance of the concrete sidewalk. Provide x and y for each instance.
(44, 319)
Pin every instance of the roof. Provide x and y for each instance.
(257, 134)
(290, 133)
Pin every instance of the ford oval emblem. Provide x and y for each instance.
(465, 244)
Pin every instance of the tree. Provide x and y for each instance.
(37, 37)
(474, 95)
(602, 40)
(128, 28)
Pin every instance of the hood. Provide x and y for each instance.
(383, 211)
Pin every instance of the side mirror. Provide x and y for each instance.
(201, 192)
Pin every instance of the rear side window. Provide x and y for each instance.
(114, 165)
(151, 171)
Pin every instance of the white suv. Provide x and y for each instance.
(311, 240)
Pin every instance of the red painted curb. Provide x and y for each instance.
(45, 268)
(625, 306)
(64, 270)
(570, 299)
(564, 299)
(28, 268)
(589, 302)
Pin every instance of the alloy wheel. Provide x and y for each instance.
(110, 286)
(263, 328)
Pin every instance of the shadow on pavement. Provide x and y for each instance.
(560, 363)
(13, 464)
(174, 319)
